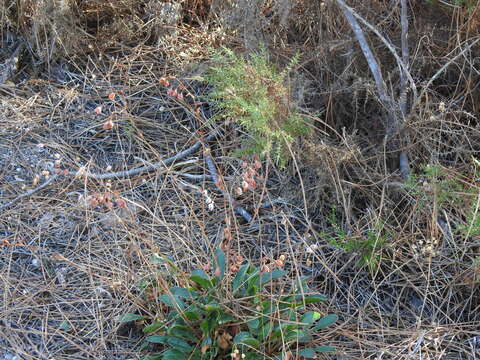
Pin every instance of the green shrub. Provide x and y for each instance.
(435, 185)
(471, 228)
(368, 247)
(468, 4)
(255, 94)
(221, 316)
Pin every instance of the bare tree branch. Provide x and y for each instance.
(111, 175)
(402, 66)
(372, 62)
(403, 161)
(405, 57)
(146, 168)
(29, 192)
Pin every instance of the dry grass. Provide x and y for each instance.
(68, 271)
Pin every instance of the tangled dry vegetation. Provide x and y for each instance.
(379, 203)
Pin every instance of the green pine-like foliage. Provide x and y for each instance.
(254, 93)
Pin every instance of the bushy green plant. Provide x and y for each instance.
(221, 316)
(472, 224)
(254, 93)
(434, 184)
(469, 4)
(367, 247)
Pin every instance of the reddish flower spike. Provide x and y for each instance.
(108, 125)
(121, 203)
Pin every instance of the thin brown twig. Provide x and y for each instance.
(438, 73)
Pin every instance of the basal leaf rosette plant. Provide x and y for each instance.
(235, 316)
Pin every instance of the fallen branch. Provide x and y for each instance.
(400, 62)
(147, 168)
(111, 175)
(29, 192)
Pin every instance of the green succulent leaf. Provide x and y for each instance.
(172, 301)
(252, 278)
(157, 339)
(179, 344)
(213, 306)
(325, 321)
(297, 335)
(201, 278)
(253, 323)
(220, 263)
(130, 317)
(225, 319)
(191, 315)
(308, 353)
(208, 324)
(268, 307)
(183, 293)
(324, 349)
(174, 354)
(300, 300)
(310, 317)
(273, 275)
(265, 330)
(181, 331)
(311, 299)
(153, 327)
(246, 338)
(240, 278)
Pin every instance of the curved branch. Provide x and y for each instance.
(146, 168)
(29, 192)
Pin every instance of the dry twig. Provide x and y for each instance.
(214, 175)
